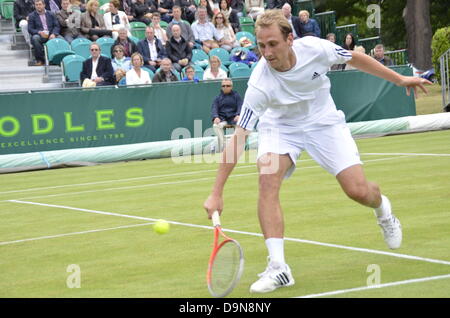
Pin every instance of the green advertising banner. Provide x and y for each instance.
(79, 118)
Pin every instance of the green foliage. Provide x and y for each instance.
(439, 45)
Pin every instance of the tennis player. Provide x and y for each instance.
(289, 93)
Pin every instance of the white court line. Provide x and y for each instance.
(357, 249)
(398, 283)
(172, 182)
(406, 154)
(73, 233)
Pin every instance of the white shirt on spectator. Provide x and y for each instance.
(205, 31)
(134, 79)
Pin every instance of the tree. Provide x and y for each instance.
(419, 34)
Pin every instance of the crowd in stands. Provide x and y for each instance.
(174, 29)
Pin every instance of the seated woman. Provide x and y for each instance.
(115, 19)
(254, 8)
(228, 38)
(214, 71)
(119, 60)
(137, 76)
(230, 15)
(92, 24)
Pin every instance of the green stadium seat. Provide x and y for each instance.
(199, 57)
(55, 50)
(137, 29)
(240, 71)
(72, 66)
(235, 65)
(249, 36)
(7, 9)
(81, 46)
(105, 45)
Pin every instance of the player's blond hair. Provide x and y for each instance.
(273, 17)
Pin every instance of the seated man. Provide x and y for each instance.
(205, 33)
(186, 31)
(142, 10)
(178, 49)
(68, 20)
(380, 57)
(98, 68)
(42, 26)
(165, 74)
(151, 50)
(22, 8)
(308, 26)
(190, 74)
(225, 110)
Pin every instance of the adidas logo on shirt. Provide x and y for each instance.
(315, 75)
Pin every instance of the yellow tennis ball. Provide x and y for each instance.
(161, 227)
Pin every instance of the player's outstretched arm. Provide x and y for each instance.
(230, 157)
(369, 65)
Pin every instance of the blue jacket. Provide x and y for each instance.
(35, 24)
(226, 106)
(145, 51)
(311, 27)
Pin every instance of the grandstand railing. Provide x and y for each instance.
(445, 79)
(303, 5)
(369, 43)
(399, 57)
(342, 30)
(327, 22)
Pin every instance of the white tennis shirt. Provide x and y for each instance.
(298, 98)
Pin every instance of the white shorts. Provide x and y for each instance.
(332, 147)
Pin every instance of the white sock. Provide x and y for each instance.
(384, 210)
(276, 250)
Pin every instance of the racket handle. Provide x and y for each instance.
(215, 218)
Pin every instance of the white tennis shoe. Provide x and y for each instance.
(275, 276)
(392, 231)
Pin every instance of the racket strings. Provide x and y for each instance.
(225, 269)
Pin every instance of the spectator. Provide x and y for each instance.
(22, 8)
(92, 23)
(293, 21)
(42, 26)
(69, 21)
(204, 31)
(360, 49)
(228, 38)
(238, 6)
(127, 7)
(380, 57)
(230, 14)
(188, 9)
(225, 110)
(137, 76)
(349, 42)
(331, 37)
(278, 4)
(160, 33)
(165, 10)
(142, 10)
(254, 8)
(209, 9)
(128, 45)
(190, 74)
(119, 60)
(151, 50)
(53, 5)
(308, 26)
(186, 31)
(165, 74)
(214, 71)
(178, 49)
(97, 69)
(247, 57)
(115, 19)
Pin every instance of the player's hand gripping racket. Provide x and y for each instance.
(226, 262)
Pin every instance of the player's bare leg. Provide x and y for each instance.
(272, 168)
(358, 188)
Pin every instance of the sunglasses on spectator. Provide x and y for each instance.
(115, 51)
(94, 49)
(226, 86)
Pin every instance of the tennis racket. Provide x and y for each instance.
(226, 262)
